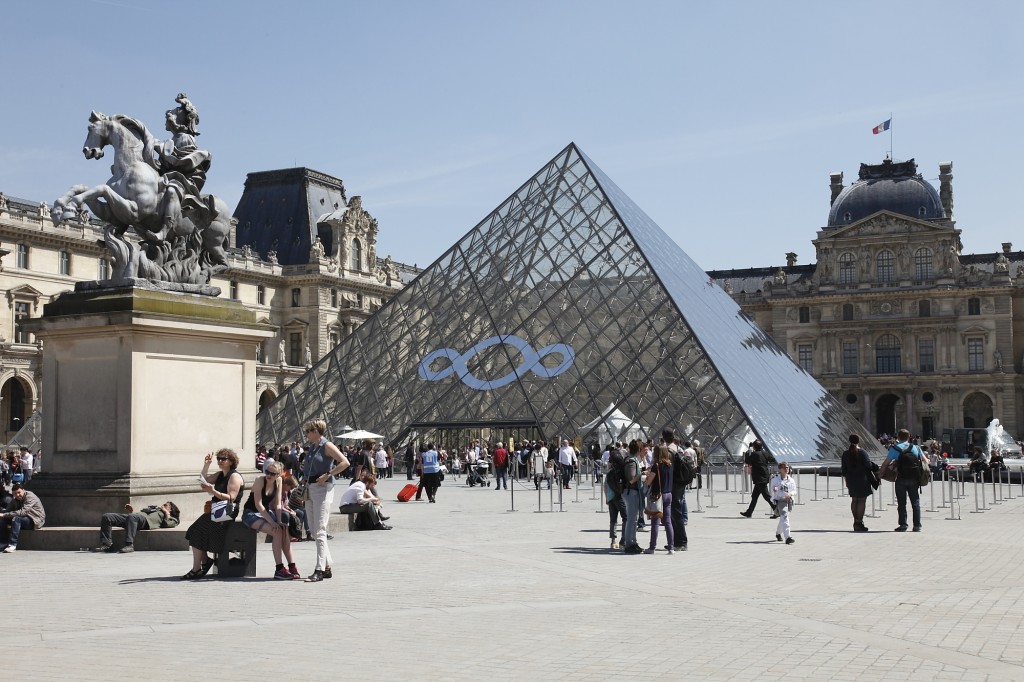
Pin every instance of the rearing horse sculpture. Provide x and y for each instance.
(181, 246)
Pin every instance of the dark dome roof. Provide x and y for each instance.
(889, 186)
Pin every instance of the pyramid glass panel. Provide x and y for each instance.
(563, 301)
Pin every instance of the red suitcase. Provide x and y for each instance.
(406, 493)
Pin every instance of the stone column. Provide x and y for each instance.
(869, 418)
(909, 398)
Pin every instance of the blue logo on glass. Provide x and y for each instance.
(532, 362)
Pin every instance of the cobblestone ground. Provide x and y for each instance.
(466, 590)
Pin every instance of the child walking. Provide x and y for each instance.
(783, 490)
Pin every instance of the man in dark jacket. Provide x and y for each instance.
(759, 462)
(164, 516)
(909, 461)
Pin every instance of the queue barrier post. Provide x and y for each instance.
(711, 486)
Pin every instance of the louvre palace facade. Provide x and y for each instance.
(891, 317)
(311, 271)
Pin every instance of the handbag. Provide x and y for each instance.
(888, 471)
(653, 507)
(220, 511)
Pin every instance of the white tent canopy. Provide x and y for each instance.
(613, 425)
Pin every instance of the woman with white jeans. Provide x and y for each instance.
(323, 462)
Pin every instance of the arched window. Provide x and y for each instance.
(887, 355)
(847, 311)
(923, 264)
(847, 268)
(885, 267)
(357, 255)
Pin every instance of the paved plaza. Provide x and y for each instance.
(466, 590)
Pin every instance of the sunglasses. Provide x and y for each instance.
(270, 473)
(222, 459)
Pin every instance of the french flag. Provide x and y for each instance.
(881, 127)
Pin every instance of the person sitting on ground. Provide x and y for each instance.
(164, 516)
(27, 512)
(360, 501)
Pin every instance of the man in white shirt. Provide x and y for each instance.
(567, 460)
(26, 463)
(360, 501)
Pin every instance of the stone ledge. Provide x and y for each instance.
(76, 538)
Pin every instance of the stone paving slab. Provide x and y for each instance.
(465, 589)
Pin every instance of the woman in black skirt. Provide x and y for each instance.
(206, 535)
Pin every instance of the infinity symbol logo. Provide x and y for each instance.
(531, 362)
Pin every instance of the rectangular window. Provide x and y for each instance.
(261, 294)
(849, 357)
(975, 355)
(926, 355)
(974, 306)
(334, 339)
(296, 296)
(22, 260)
(101, 270)
(64, 263)
(805, 357)
(21, 312)
(234, 291)
(295, 349)
(804, 314)
(334, 298)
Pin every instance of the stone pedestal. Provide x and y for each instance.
(138, 386)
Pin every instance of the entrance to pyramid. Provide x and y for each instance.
(456, 436)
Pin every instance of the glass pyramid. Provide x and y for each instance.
(566, 300)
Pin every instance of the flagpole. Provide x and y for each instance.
(890, 137)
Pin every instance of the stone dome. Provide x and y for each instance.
(889, 186)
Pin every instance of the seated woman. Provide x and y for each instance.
(262, 514)
(978, 464)
(294, 509)
(360, 501)
(205, 534)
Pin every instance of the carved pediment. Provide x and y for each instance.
(889, 224)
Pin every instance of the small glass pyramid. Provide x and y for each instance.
(565, 300)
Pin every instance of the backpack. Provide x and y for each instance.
(686, 470)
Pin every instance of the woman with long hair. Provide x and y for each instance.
(262, 513)
(659, 479)
(857, 469)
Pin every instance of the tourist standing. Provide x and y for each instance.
(632, 480)
(323, 462)
(783, 490)
(858, 470)
(908, 459)
(500, 467)
(567, 460)
(431, 466)
(659, 481)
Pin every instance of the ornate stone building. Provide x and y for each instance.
(313, 300)
(892, 318)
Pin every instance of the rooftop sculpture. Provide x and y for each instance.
(155, 189)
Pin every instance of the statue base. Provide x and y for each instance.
(138, 385)
(137, 283)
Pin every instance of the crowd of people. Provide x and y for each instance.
(643, 482)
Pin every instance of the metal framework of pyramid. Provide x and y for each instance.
(565, 299)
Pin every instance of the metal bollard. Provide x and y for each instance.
(977, 510)
(815, 498)
(873, 515)
(952, 510)
(551, 499)
(931, 494)
(799, 495)
(539, 510)
(828, 478)
(711, 486)
(996, 491)
(944, 476)
(1009, 485)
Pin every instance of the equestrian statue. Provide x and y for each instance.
(155, 190)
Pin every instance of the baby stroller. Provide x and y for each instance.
(477, 474)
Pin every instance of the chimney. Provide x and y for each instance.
(946, 187)
(837, 185)
(790, 259)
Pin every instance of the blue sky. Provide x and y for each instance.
(722, 120)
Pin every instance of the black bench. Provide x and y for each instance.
(240, 540)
